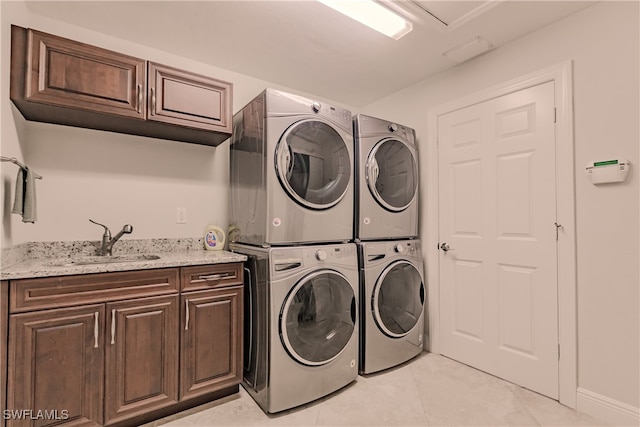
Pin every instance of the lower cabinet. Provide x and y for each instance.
(211, 357)
(56, 367)
(114, 361)
(141, 358)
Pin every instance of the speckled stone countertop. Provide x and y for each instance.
(45, 259)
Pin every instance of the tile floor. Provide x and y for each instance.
(430, 390)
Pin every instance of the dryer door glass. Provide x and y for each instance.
(398, 299)
(313, 164)
(318, 317)
(392, 174)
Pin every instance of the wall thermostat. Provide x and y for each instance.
(608, 171)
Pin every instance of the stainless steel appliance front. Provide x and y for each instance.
(301, 323)
(392, 303)
(291, 172)
(386, 180)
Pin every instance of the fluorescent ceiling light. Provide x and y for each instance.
(373, 15)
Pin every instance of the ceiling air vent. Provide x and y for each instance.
(469, 49)
(452, 14)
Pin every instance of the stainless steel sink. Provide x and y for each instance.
(93, 260)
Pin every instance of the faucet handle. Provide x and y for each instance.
(107, 232)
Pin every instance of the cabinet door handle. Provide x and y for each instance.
(186, 317)
(113, 326)
(95, 329)
(214, 276)
(153, 101)
(140, 99)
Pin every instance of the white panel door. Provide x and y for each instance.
(498, 280)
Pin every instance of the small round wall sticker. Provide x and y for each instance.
(276, 222)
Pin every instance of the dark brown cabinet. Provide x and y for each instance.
(63, 81)
(211, 341)
(4, 336)
(141, 365)
(121, 348)
(56, 361)
(71, 74)
(186, 99)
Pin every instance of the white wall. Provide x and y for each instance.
(112, 178)
(603, 43)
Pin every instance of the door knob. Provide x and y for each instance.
(445, 247)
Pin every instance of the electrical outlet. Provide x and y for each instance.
(181, 215)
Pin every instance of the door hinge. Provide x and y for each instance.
(558, 351)
(558, 227)
(555, 115)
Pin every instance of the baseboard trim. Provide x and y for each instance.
(609, 410)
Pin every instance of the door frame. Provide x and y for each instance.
(561, 75)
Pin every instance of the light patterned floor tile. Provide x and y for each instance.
(383, 399)
(430, 390)
(548, 412)
(457, 395)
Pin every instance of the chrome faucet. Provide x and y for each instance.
(107, 241)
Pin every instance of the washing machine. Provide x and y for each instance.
(392, 303)
(386, 204)
(291, 172)
(301, 323)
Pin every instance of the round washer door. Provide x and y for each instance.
(392, 174)
(318, 317)
(313, 164)
(398, 299)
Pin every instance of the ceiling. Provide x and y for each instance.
(305, 45)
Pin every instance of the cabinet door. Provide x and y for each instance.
(56, 365)
(187, 99)
(72, 74)
(211, 346)
(142, 356)
(4, 333)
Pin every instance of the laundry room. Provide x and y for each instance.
(267, 213)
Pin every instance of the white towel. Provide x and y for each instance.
(24, 202)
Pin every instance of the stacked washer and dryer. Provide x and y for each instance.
(333, 281)
(392, 292)
(292, 191)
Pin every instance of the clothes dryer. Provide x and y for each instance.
(291, 172)
(392, 303)
(301, 325)
(386, 180)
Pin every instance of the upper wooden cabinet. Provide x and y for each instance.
(71, 74)
(187, 99)
(57, 80)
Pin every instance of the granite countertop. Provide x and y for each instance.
(45, 259)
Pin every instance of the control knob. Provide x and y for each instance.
(321, 255)
(399, 248)
(316, 106)
(393, 127)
